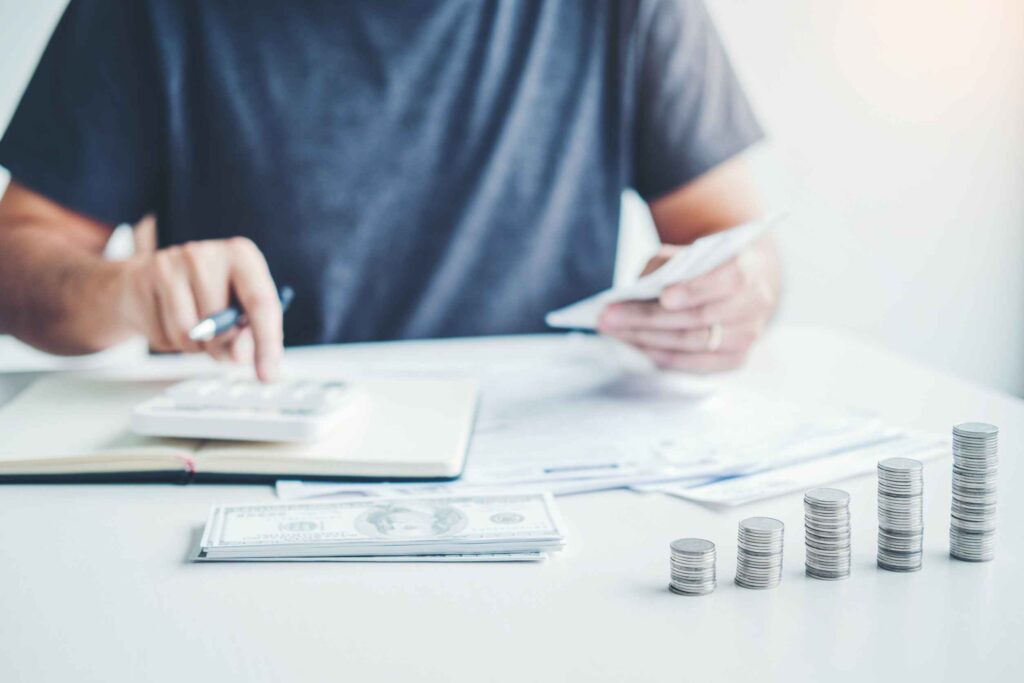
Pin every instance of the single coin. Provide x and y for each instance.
(762, 524)
(692, 546)
(827, 495)
(982, 429)
(900, 464)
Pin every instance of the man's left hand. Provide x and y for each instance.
(707, 324)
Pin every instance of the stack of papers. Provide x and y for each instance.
(484, 528)
(577, 414)
(559, 478)
(727, 449)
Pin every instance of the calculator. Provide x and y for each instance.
(248, 410)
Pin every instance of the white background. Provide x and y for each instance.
(897, 142)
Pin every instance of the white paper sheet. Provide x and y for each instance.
(701, 257)
(579, 417)
(776, 481)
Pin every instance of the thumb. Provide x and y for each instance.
(659, 259)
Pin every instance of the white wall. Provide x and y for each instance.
(897, 141)
(900, 128)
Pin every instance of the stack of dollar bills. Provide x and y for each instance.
(472, 528)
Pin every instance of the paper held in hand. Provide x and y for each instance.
(701, 257)
(480, 528)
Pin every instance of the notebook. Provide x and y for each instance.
(78, 428)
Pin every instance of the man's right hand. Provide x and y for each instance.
(170, 290)
(59, 294)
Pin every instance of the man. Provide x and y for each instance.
(411, 169)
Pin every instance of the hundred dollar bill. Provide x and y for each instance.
(431, 559)
(423, 525)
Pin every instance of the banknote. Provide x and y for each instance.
(421, 525)
(429, 559)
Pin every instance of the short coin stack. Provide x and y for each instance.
(827, 533)
(972, 526)
(759, 556)
(900, 514)
(693, 566)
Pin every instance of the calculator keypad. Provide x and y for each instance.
(298, 396)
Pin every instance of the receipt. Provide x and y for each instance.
(701, 257)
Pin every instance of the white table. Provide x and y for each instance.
(96, 586)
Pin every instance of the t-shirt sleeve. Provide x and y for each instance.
(691, 113)
(86, 133)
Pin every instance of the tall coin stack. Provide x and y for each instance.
(900, 514)
(827, 533)
(759, 554)
(972, 527)
(693, 566)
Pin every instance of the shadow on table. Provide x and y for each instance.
(192, 548)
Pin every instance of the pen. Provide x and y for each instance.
(222, 321)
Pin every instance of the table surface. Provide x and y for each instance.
(97, 586)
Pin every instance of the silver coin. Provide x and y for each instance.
(692, 546)
(897, 465)
(703, 589)
(827, 497)
(762, 525)
(976, 430)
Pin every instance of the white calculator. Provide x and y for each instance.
(247, 410)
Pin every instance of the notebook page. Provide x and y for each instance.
(62, 416)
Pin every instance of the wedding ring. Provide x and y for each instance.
(714, 337)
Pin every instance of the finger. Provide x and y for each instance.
(176, 303)
(748, 305)
(154, 326)
(208, 274)
(697, 363)
(254, 287)
(735, 338)
(720, 283)
(652, 315)
(243, 349)
(648, 315)
(220, 347)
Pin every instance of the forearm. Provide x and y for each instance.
(722, 198)
(57, 295)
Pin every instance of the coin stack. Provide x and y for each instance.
(900, 514)
(827, 533)
(972, 526)
(759, 555)
(693, 566)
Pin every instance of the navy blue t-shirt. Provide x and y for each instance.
(412, 169)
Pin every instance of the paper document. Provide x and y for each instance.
(768, 482)
(568, 415)
(701, 257)
(558, 481)
(368, 528)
